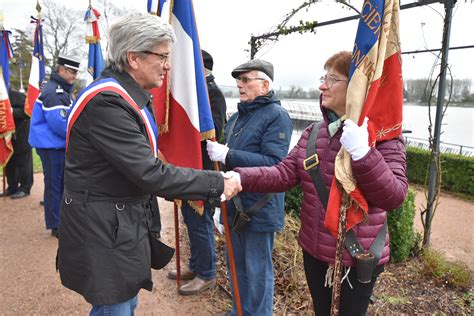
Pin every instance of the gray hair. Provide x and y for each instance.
(261, 74)
(136, 33)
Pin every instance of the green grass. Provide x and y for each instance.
(37, 166)
(395, 300)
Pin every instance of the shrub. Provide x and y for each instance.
(457, 172)
(400, 226)
(293, 200)
(435, 265)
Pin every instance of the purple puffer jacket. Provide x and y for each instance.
(380, 176)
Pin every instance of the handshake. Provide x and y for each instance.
(232, 185)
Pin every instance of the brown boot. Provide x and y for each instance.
(185, 274)
(196, 286)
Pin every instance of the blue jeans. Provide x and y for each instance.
(121, 309)
(53, 161)
(201, 240)
(254, 267)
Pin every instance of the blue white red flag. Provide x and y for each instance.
(37, 72)
(96, 60)
(7, 125)
(375, 91)
(182, 105)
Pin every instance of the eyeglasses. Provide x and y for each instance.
(330, 80)
(163, 58)
(71, 71)
(244, 79)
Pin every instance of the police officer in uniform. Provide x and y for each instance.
(48, 134)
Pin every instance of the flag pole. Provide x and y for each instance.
(176, 234)
(230, 252)
(4, 184)
(341, 236)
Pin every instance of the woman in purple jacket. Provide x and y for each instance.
(380, 175)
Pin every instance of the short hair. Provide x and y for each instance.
(341, 62)
(261, 74)
(136, 33)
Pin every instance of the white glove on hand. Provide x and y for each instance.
(216, 218)
(216, 151)
(355, 139)
(232, 174)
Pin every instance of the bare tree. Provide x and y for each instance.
(64, 30)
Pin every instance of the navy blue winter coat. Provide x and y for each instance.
(49, 118)
(261, 137)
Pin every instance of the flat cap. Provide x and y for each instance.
(254, 64)
(69, 62)
(207, 58)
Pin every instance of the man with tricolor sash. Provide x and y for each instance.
(113, 170)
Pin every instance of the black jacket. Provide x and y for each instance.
(22, 122)
(218, 109)
(110, 175)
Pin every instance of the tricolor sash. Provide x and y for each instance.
(97, 87)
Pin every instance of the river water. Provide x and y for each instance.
(457, 125)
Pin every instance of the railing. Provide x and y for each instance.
(304, 113)
(449, 148)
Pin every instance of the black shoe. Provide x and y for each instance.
(19, 195)
(55, 232)
(7, 193)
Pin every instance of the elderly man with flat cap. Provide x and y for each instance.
(257, 135)
(48, 134)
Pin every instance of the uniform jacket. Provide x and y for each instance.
(110, 175)
(49, 117)
(22, 122)
(260, 137)
(380, 175)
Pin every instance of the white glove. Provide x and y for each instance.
(355, 139)
(232, 174)
(216, 218)
(216, 151)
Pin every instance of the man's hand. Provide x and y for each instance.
(231, 186)
(216, 151)
(355, 139)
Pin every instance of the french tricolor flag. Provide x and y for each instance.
(7, 125)
(37, 72)
(182, 104)
(375, 91)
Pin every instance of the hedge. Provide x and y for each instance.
(457, 172)
(400, 227)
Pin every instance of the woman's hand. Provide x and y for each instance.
(355, 139)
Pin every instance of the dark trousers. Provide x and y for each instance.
(53, 161)
(19, 172)
(353, 301)
(201, 241)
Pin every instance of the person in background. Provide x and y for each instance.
(48, 134)
(380, 173)
(202, 263)
(257, 135)
(19, 170)
(113, 172)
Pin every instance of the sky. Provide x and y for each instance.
(225, 27)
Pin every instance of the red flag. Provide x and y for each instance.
(7, 125)
(375, 91)
(37, 72)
